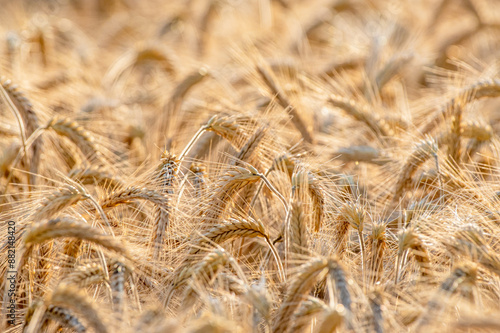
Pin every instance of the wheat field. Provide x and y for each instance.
(249, 166)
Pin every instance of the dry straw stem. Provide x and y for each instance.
(285, 103)
(482, 89)
(463, 276)
(361, 113)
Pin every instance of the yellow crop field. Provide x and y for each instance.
(273, 166)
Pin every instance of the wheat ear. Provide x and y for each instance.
(89, 175)
(298, 230)
(353, 214)
(419, 155)
(199, 181)
(205, 271)
(67, 227)
(361, 154)
(23, 109)
(82, 138)
(210, 263)
(470, 240)
(132, 193)
(162, 218)
(377, 246)
(227, 127)
(57, 201)
(285, 103)
(297, 292)
(219, 234)
(183, 88)
(482, 89)
(65, 318)
(309, 308)
(331, 320)
(409, 239)
(119, 273)
(141, 55)
(376, 301)
(84, 276)
(226, 188)
(454, 143)
(70, 297)
(464, 275)
(362, 114)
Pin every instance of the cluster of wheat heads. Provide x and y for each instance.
(250, 166)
